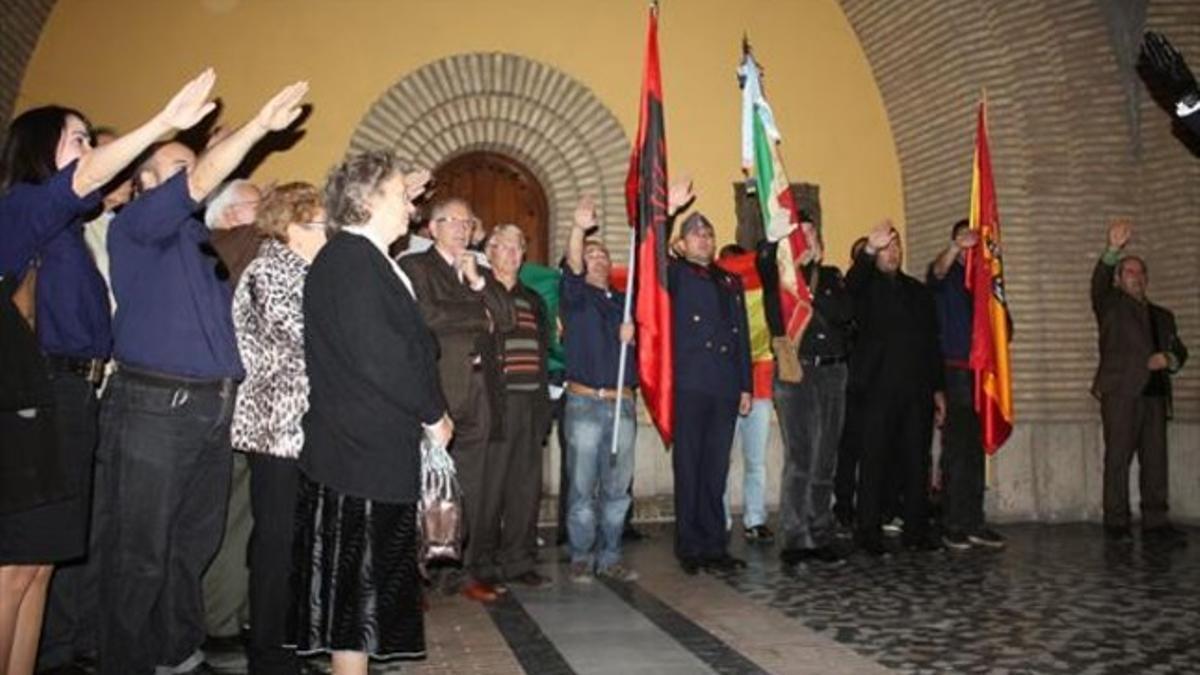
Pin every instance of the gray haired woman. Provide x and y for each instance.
(374, 393)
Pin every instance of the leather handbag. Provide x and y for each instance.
(440, 511)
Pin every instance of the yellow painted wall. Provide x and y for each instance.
(118, 60)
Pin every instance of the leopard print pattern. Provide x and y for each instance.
(269, 321)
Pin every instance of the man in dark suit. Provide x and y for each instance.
(896, 367)
(1139, 351)
(465, 307)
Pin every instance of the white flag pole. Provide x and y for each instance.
(624, 345)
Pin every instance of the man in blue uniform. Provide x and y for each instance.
(712, 387)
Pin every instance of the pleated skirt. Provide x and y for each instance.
(355, 572)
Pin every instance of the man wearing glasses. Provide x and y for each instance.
(465, 308)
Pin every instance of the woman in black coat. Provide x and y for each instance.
(374, 393)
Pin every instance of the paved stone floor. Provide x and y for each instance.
(1059, 599)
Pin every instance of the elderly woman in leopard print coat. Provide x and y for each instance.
(269, 323)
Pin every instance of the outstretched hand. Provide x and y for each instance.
(190, 104)
(882, 235)
(1120, 231)
(416, 182)
(283, 108)
(1168, 67)
(679, 195)
(585, 217)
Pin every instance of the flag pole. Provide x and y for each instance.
(625, 316)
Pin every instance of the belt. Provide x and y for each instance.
(606, 394)
(823, 360)
(224, 386)
(91, 370)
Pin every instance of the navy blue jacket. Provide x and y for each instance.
(712, 339)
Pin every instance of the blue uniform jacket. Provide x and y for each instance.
(712, 339)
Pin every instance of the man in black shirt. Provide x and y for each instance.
(897, 369)
(811, 410)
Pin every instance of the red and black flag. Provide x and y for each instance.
(646, 199)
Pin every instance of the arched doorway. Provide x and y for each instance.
(500, 190)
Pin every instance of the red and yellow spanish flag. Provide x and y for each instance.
(985, 281)
(646, 200)
(762, 360)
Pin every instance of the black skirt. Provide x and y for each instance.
(355, 574)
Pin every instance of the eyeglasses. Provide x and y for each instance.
(460, 222)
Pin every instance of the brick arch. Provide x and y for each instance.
(21, 24)
(509, 104)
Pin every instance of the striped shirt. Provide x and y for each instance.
(524, 367)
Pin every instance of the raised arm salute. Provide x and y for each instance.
(49, 180)
(1139, 351)
(177, 372)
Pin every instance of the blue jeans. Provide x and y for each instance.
(753, 430)
(599, 492)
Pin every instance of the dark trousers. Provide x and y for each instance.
(227, 579)
(472, 428)
(962, 456)
(897, 430)
(845, 478)
(1135, 426)
(700, 458)
(811, 415)
(274, 482)
(514, 490)
(70, 624)
(165, 490)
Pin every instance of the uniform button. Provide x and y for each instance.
(820, 336)
(708, 344)
(696, 318)
(735, 330)
(724, 349)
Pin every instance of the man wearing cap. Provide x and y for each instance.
(712, 387)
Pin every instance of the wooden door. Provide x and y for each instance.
(500, 190)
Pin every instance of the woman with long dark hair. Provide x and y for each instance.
(50, 179)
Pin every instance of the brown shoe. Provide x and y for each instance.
(479, 592)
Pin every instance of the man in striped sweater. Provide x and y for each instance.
(514, 461)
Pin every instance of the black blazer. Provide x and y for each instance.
(896, 350)
(372, 369)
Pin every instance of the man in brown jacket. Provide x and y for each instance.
(465, 308)
(1139, 351)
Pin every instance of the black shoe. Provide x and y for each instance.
(956, 541)
(872, 546)
(986, 538)
(793, 556)
(68, 669)
(724, 563)
(530, 579)
(1165, 534)
(759, 534)
(690, 566)
(922, 544)
(1117, 534)
(827, 555)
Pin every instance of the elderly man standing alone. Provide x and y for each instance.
(1139, 351)
(465, 308)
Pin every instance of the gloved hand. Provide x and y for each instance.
(1167, 67)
